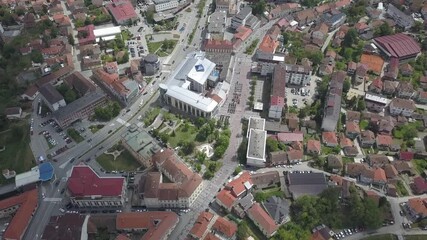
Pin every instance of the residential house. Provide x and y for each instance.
(419, 185)
(292, 120)
(334, 19)
(423, 82)
(402, 20)
(322, 232)
(224, 228)
(225, 199)
(277, 208)
(265, 179)
(390, 171)
(353, 116)
(289, 137)
(351, 67)
(406, 156)
(354, 169)
(305, 17)
(367, 138)
(384, 142)
(377, 160)
(13, 113)
(330, 139)
(392, 69)
(284, 9)
(335, 163)
(352, 129)
(386, 125)
(319, 34)
(375, 103)
(361, 73)
(373, 176)
(350, 151)
(389, 87)
(278, 158)
(295, 156)
(313, 147)
(344, 141)
(406, 70)
(403, 107)
(361, 27)
(262, 220)
(376, 86)
(405, 90)
(201, 225)
(417, 208)
(421, 97)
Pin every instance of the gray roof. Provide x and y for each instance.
(217, 22)
(50, 93)
(277, 208)
(256, 145)
(333, 102)
(79, 104)
(151, 58)
(246, 202)
(306, 183)
(141, 142)
(400, 17)
(243, 13)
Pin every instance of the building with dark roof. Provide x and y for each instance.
(300, 184)
(150, 65)
(88, 189)
(64, 227)
(278, 209)
(122, 11)
(79, 83)
(266, 179)
(399, 45)
(400, 18)
(80, 108)
(51, 97)
(332, 108)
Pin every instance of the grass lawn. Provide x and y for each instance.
(168, 51)
(17, 155)
(96, 128)
(347, 160)
(124, 162)
(153, 46)
(75, 135)
(180, 135)
(420, 165)
(381, 237)
(414, 237)
(150, 116)
(401, 190)
(267, 193)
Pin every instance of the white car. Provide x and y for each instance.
(62, 210)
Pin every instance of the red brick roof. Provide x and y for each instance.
(398, 45)
(313, 145)
(384, 140)
(407, 156)
(237, 186)
(418, 205)
(224, 226)
(260, 216)
(201, 224)
(242, 33)
(226, 198)
(268, 44)
(27, 202)
(90, 37)
(290, 137)
(122, 10)
(329, 137)
(352, 127)
(86, 182)
(157, 224)
(420, 185)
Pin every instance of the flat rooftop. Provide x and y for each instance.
(256, 144)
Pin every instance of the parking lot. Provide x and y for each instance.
(300, 96)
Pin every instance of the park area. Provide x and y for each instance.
(122, 160)
(15, 151)
(160, 45)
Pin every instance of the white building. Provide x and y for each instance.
(403, 107)
(256, 144)
(106, 34)
(194, 87)
(51, 97)
(163, 5)
(297, 74)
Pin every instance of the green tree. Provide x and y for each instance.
(361, 105)
(272, 145)
(187, 147)
(149, 16)
(208, 175)
(259, 7)
(372, 215)
(350, 38)
(242, 231)
(383, 30)
(291, 231)
(36, 56)
(70, 96)
(71, 39)
(237, 170)
(241, 151)
(310, 3)
(346, 85)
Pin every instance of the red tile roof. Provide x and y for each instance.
(384, 140)
(226, 198)
(290, 137)
(398, 45)
(268, 44)
(259, 215)
(352, 127)
(329, 137)
(86, 182)
(277, 101)
(201, 224)
(406, 156)
(28, 202)
(122, 10)
(237, 186)
(242, 33)
(418, 205)
(211, 236)
(90, 37)
(379, 175)
(157, 224)
(420, 185)
(225, 227)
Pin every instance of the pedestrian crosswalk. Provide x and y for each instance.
(123, 122)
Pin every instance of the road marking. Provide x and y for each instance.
(62, 166)
(123, 122)
(52, 199)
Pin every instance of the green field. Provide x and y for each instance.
(181, 135)
(17, 155)
(415, 237)
(124, 162)
(96, 128)
(381, 237)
